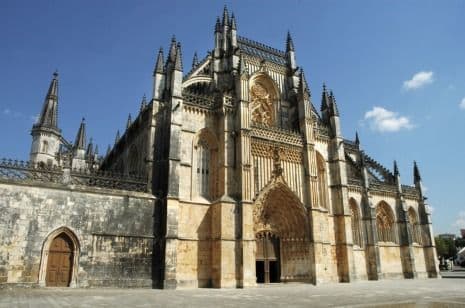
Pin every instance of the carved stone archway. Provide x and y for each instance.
(46, 251)
(278, 211)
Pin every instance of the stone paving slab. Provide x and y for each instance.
(386, 293)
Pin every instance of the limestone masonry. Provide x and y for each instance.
(227, 177)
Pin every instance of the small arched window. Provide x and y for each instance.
(385, 223)
(414, 227)
(322, 181)
(203, 168)
(356, 223)
(45, 146)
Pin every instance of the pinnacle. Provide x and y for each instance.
(159, 63)
(80, 142)
(129, 122)
(289, 42)
(178, 60)
(357, 140)
(416, 172)
(396, 169)
(225, 16)
(195, 60)
(233, 22)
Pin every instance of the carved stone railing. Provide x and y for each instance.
(277, 134)
(25, 172)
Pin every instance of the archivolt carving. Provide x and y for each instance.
(278, 210)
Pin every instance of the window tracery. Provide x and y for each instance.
(385, 223)
(414, 227)
(356, 223)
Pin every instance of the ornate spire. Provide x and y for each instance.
(49, 115)
(159, 64)
(143, 103)
(357, 140)
(324, 99)
(289, 42)
(195, 60)
(303, 89)
(90, 149)
(129, 122)
(416, 173)
(80, 142)
(396, 169)
(178, 60)
(225, 16)
(172, 55)
(218, 25)
(334, 111)
(233, 22)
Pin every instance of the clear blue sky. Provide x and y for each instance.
(397, 69)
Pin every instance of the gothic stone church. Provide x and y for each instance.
(241, 181)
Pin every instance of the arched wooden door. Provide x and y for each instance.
(267, 261)
(60, 262)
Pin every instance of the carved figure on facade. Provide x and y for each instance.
(262, 109)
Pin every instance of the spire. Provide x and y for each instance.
(333, 106)
(172, 55)
(129, 122)
(225, 16)
(324, 99)
(178, 60)
(143, 103)
(108, 150)
(90, 150)
(357, 140)
(117, 137)
(396, 169)
(96, 150)
(80, 142)
(233, 22)
(48, 116)
(416, 173)
(195, 60)
(289, 42)
(303, 89)
(218, 25)
(159, 65)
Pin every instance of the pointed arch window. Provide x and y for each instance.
(356, 223)
(204, 173)
(385, 223)
(322, 181)
(414, 226)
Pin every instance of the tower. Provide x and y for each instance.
(46, 136)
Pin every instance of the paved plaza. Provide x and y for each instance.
(387, 293)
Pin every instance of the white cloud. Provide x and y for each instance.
(459, 223)
(383, 120)
(462, 104)
(419, 80)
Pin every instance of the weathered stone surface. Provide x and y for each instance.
(114, 231)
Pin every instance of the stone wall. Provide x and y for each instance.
(113, 233)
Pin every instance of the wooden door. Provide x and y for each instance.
(267, 258)
(60, 262)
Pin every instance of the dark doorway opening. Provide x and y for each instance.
(267, 263)
(260, 268)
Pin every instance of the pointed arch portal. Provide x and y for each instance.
(283, 243)
(59, 261)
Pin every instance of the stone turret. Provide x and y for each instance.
(46, 136)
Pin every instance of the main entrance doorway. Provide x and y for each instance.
(267, 262)
(60, 262)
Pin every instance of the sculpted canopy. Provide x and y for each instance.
(263, 96)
